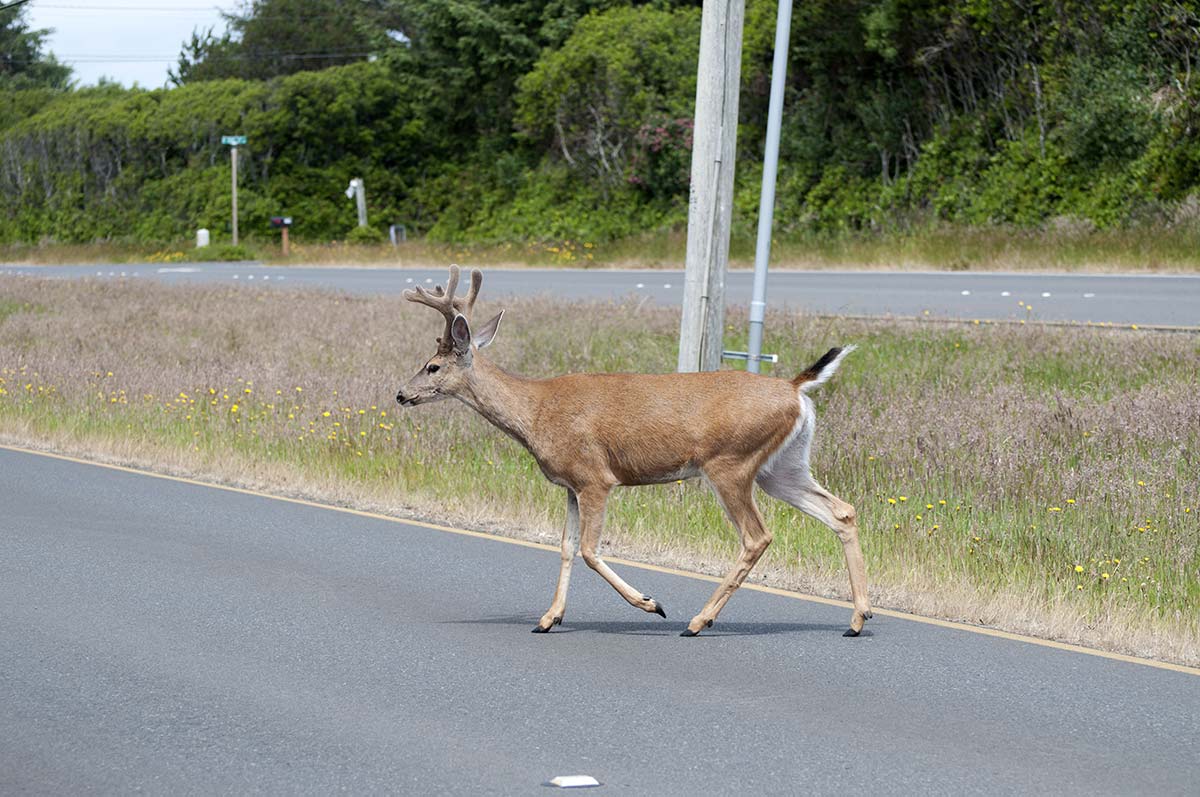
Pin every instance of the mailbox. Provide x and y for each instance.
(278, 222)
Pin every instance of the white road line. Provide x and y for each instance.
(235, 276)
(641, 285)
(1089, 295)
(1006, 293)
(966, 293)
(666, 285)
(1045, 294)
(408, 279)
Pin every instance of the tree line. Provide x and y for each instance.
(571, 119)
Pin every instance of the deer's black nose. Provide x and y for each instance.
(400, 397)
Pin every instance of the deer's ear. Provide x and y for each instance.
(460, 334)
(488, 332)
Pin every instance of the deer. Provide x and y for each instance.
(590, 433)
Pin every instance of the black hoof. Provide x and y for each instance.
(689, 632)
(851, 632)
(708, 624)
(539, 630)
(658, 609)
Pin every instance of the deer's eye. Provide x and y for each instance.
(432, 368)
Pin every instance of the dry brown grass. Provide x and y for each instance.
(1052, 448)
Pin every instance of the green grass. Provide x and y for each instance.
(987, 462)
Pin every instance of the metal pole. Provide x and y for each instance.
(233, 156)
(766, 202)
(710, 200)
(360, 195)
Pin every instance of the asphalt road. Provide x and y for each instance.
(1118, 299)
(172, 638)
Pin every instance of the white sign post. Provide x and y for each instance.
(358, 192)
(233, 142)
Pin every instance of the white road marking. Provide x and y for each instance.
(641, 285)
(122, 273)
(1089, 295)
(427, 279)
(250, 277)
(966, 293)
(1006, 293)
(574, 781)
(666, 285)
(180, 270)
(408, 279)
(267, 277)
(235, 276)
(1045, 294)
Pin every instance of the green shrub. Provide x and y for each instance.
(365, 235)
(227, 253)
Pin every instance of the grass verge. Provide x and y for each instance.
(1144, 249)
(1038, 480)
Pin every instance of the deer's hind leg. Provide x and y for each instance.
(735, 489)
(570, 547)
(591, 523)
(789, 479)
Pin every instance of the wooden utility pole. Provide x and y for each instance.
(710, 200)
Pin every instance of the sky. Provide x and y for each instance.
(129, 41)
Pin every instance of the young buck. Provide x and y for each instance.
(592, 432)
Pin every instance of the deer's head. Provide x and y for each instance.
(448, 372)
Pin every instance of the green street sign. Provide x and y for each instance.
(235, 141)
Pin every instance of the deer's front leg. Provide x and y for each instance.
(591, 516)
(570, 547)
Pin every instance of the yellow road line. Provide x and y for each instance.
(974, 629)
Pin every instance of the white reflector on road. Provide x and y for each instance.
(574, 781)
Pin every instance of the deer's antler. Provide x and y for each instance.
(445, 302)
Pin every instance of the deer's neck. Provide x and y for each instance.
(507, 401)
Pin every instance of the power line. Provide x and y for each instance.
(116, 58)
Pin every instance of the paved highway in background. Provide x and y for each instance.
(1101, 298)
(169, 637)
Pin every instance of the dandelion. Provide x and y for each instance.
(1104, 576)
(942, 502)
(1078, 568)
(1070, 500)
(1141, 483)
(892, 501)
(234, 408)
(1056, 509)
(903, 498)
(929, 506)
(1079, 586)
